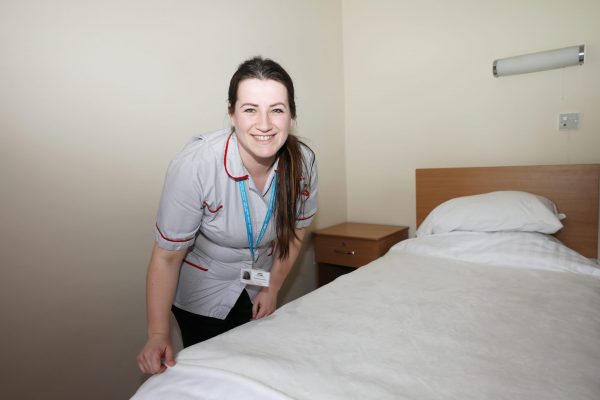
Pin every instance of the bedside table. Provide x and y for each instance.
(343, 248)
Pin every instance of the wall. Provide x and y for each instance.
(95, 98)
(420, 93)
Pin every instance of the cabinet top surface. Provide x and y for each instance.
(362, 231)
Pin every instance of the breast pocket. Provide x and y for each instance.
(211, 210)
(220, 227)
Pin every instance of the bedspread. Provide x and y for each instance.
(408, 327)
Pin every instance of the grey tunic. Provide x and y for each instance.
(201, 209)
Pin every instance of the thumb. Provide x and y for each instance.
(169, 360)
(255, 309)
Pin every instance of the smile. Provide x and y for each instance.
(263, 138)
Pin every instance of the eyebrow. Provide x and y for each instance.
(256, 105)
(277, 104)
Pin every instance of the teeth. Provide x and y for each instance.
(263, 137)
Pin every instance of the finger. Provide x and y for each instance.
(262, 313)
(146, 368)
(141, 366)
(138, 360)
(169, 359)
(154, 363)
(255, 310)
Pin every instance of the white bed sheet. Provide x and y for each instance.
(408, 326)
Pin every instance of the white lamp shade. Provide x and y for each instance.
(541, 61)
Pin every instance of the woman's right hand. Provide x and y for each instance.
(161, 281)
(156, 355)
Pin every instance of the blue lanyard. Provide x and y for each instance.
(263, 229)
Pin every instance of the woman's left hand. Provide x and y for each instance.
(264, 303)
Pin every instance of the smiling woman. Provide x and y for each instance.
(232, 215)
(262, 126)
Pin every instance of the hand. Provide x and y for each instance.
(157, 348)
(264, 303)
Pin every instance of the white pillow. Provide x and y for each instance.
(494, 212)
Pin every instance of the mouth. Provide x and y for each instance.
(263, 138)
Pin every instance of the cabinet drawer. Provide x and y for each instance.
(345, 251)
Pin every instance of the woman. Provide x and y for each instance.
(232, 217)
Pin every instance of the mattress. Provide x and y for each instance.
(422, 322)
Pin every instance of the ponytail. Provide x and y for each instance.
(294, 176)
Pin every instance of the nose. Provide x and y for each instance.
(264, 122)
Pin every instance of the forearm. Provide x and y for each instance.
(161, 283)
(281, 268)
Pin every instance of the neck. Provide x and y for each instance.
(258, 169)
(256, 166)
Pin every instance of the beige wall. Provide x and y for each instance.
(420, 93)
(95, 98)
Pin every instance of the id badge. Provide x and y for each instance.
(255, 277)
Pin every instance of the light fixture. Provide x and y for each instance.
(541, 61)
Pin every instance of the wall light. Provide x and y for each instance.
(541, 61)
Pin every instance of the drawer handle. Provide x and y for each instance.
(347, 252)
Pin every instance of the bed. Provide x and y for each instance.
(450, 314)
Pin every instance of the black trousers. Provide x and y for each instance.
(197, 328)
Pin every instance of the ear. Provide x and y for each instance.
(230, 114)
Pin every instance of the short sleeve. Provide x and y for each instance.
(308, 207)
(180, 209)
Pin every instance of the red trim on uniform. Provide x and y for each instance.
(305, 218)
(196, 266)
(172, 240)
(272, 249)
(212, 211)
(305, 193)
(238, 178)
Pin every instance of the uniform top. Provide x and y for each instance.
(201, 209)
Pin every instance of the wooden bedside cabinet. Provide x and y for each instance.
(342, 248)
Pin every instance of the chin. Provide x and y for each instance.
(268, 150)
(266, 155)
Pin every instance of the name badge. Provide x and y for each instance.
(255, 277)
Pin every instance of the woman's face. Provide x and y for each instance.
(262, 120)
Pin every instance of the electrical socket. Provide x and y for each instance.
(568, 121)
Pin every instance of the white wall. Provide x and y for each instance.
(420, 93)
(95, 98)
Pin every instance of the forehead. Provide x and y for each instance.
(262, 90)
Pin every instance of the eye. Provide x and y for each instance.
(248, 110)
(278, 110)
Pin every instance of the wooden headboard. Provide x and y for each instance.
(573, 188)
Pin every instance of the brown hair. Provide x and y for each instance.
(294, 172)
